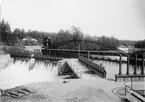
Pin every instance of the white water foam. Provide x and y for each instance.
(19, 73)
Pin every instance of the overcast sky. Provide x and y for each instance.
(123, 19)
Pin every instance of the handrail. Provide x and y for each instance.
(133, 85)
(134, 93)
(100, 70)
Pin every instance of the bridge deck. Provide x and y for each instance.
(77, 66)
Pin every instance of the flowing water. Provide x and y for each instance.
(24, 71)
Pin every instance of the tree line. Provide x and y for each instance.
(140, 44)
(17, 35)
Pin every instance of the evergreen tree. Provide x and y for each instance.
(4, 30)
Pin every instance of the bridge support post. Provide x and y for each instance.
(142, 71)
(128, 62)
(46, 52)
(120, 65)
(135, 64)
(88, 54)
(79, 51)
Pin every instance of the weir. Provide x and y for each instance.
(22, 72)
(38, 55)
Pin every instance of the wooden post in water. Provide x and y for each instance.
(88, 55)
(135, 64)
(128, 62)
(142, 71)
(79, 52)
(120, 65)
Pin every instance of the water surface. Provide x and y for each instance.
(24, 71)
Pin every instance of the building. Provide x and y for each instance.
(29, 41)
(46, 42)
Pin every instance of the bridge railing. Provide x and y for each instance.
(98, 69)
(137, 91)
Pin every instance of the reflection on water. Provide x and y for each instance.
(23, 71)
(112, 68)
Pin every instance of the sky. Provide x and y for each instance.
(123, 19)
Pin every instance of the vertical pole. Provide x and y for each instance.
(88, 55)
(75, 49)
(125, 89)
(128, 62)
(142, 72)
(115, 77)
(131, 83)
(135, 64)
(79, 51)
(120, 65)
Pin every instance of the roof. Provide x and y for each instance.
(28, 38)
(47, 38)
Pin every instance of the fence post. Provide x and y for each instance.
(88, 55)
(142, 72)
(125, 89)
(128, 62)
(135, 64)
(120, 65)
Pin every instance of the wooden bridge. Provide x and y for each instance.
(77, 49)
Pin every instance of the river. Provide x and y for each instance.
(24, 71)
(112, 68)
